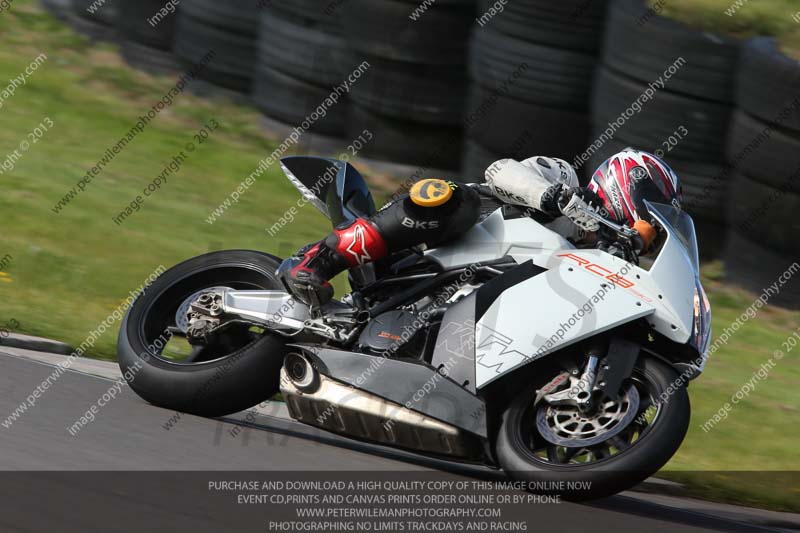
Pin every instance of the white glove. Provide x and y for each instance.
(577, 204)
(526, 183)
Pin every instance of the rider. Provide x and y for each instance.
(435, 211)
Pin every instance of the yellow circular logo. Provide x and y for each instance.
(430, 192)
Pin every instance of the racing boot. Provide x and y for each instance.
(305, 275)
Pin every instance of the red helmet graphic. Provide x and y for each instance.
(628, 178)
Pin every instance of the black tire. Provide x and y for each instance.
(475, 160)
(611, 475)
(532, 72)
(570, 24)
(383, 28)
(91, 28)
(132, 20)
(660, 117)
(770, 155)
(681, 166)
(711, 238)
(769, 84)
(501, 123)
(234, 17)
(433, 94)
(766, 214)
(153, 60)
(227, 384)
(644, 50)
(754, 266)
(292, 101)
(305, 53)
(407, 142)
(235, 54)
(324, 15)
(309, 142)
(105, 14)
(703, 197)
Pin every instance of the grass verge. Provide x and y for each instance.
(740, 18)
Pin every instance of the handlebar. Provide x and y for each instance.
(642, 233)
(482, 188)
(622, 231)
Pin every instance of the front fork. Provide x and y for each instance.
(607, 366)
(580, 387)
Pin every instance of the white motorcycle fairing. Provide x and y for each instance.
(581, 293)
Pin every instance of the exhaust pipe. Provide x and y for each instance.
(301, 373)
(321, 401)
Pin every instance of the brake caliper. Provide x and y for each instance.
(204, 317)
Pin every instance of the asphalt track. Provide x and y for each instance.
(127, 472)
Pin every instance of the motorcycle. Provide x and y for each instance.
(508, 347)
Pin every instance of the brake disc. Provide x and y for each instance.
(565, 425)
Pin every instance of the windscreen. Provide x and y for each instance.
(680, 225)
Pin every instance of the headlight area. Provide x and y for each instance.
(701, 330)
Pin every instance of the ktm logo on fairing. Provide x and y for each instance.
(496, 351)
(594, 268)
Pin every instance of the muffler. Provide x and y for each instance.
(321, 401)
(300, 372)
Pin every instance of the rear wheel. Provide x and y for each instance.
(239, 368)
(557, 449)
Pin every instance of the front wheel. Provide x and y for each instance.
(557, 449)
(239, 369)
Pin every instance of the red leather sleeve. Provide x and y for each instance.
(360, 243)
